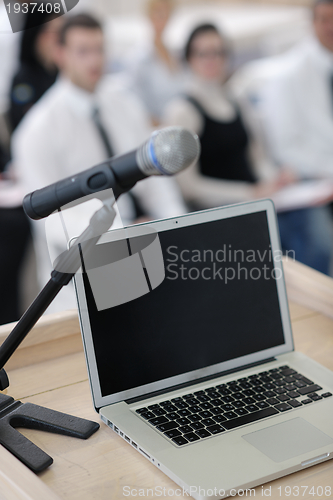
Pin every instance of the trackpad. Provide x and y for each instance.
(288, 440)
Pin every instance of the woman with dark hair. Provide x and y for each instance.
(233, 167)
(37, 71)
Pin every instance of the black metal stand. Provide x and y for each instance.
(15, 414)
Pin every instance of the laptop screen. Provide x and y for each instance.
(218, 302)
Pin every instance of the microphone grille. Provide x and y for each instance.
(170, 150)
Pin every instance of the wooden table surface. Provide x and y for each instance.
(49, 370)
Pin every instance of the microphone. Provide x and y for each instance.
(167, 152)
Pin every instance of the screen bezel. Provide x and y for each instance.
(175, 223)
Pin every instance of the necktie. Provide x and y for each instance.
(102, 132)
(109, 150)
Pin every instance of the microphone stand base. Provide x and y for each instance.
(16, 414)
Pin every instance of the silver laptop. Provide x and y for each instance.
(198, 371)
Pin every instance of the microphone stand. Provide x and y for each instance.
(16, 414)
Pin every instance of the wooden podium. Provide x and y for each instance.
(49, 370)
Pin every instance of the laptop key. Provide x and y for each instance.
(181, 405)
(306, 401)
(180, 440)
(293, 394)
(184, 413)
(309, 389)
(262, 404)
(216, 402)
(203, 433)
(294, 403)
(205, 406)
(219, 418)
(249, 401)
(288, 371)
(194, 418)
(306, 381)
(141, 410)
(203, 398)
(216, 411)
(249, 392)
(215, 429)
(326, 394)
(153, 407)
(192, 401)
(272, 401)
(280, 390)
(227, 407)
(314, 397)
(227, 399)
(205, 414)
(159, 412)
(259, 397)
(195, 409)
(167, 427)
(238, 404)
(207, 422)
(283, 397)
(197, 425)
(147, 415)
(249, 418)
(191, 437)
(299, 383)
(230, 414)
(170, 408)
(172, 416)
(188, 396)
(241, 411)
(183, 421)
(185, 429)
(291, 387)
(283, 407)
(252, 408)
(269, 394)
(158, 421)
(173, 433)
(238, 395)
(290, 380)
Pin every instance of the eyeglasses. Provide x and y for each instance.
(210, 54)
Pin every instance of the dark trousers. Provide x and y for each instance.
(14, 239)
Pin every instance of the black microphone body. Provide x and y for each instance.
(167, 152)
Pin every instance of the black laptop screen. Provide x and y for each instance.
(218, 302)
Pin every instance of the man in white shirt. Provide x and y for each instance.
(299, 123)
(300, 116)
(59, 136)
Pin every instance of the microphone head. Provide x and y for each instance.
(169, 151)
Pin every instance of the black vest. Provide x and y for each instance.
(224, 148)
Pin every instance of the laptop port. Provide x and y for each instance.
(121, 434)
(144, 453)
(127, 438)
(134, 444)
(116, 429)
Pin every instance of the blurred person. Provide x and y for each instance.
(299, 103)
(14, 239)
(9, 50)
(233, 166)
(157, 75)
(81, 121)
(230, 163)
(37, 71)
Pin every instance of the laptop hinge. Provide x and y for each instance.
(197, 381)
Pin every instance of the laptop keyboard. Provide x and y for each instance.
(212, 411)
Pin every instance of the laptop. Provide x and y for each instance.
(196, 369)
